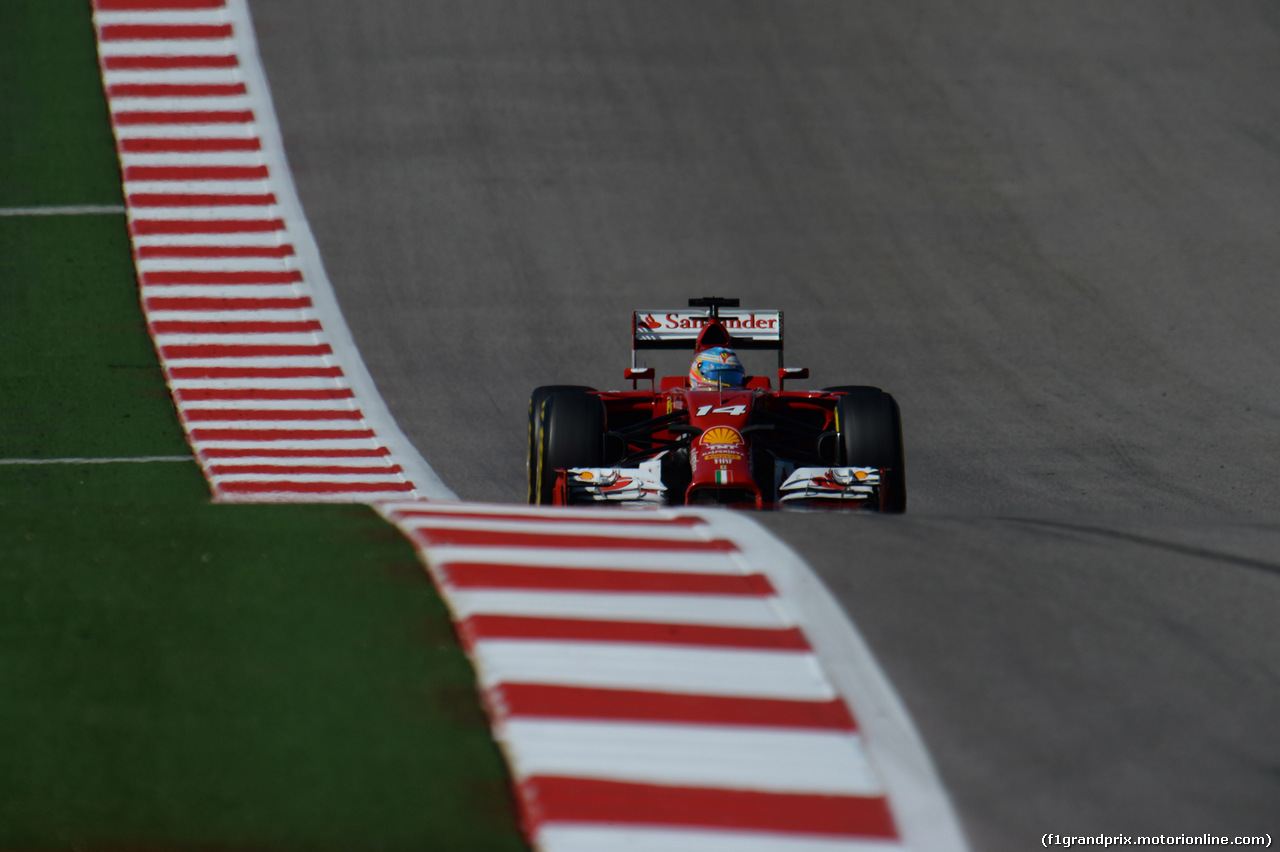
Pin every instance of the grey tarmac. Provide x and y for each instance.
(1051, 230)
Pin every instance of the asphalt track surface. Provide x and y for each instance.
(1052, 230)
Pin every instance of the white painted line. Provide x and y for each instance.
(724, 757)
(659, 529)
(182, 104)
(383, 479)
(312, 497)
(508, 511)
(204, 103)
(258, 383)
(701, 671)
(194, 408)
(232, 158)
(258, 239)
(284, 427)
(228, 467)
(65, 210)
(181, 76)
(574, 837)
(301, 338)
(310, 445)
(120, 460)
(306, 361)
(160, 16)
(242, 130)
(701, 610)
(214, 264)
(224, 291)
(627, 560)
(166, 47)
(204, 213)
(199, 185)
(281, 315)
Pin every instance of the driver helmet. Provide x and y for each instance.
(717, 367)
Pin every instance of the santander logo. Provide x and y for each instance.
(765, 321)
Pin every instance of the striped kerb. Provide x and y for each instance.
(650, 686)
(264, 401)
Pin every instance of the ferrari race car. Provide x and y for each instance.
(734, 442)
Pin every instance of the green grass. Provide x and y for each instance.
(79, 370)
(182, 675)
(80, 376)
(176, 674)
(55, 139)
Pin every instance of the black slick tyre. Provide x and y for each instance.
(571, 434)
(536, 399)
(869, 428)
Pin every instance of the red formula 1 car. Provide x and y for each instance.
(731, 440)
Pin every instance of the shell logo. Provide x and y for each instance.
(721, 436)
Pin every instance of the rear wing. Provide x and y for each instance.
(679, 328)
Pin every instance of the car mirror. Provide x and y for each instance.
(636, 374)
(785, 373)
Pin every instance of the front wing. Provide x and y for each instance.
(802, 487)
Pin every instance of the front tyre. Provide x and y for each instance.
(869, 428)
(571, 427)
(536, 399)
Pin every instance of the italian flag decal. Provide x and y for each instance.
(722, 477)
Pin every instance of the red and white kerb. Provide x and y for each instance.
(648, 684)
(266, 405)
(660, 681)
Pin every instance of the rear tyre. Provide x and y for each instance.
(571, 435)
(869, 429)
(539, 395)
